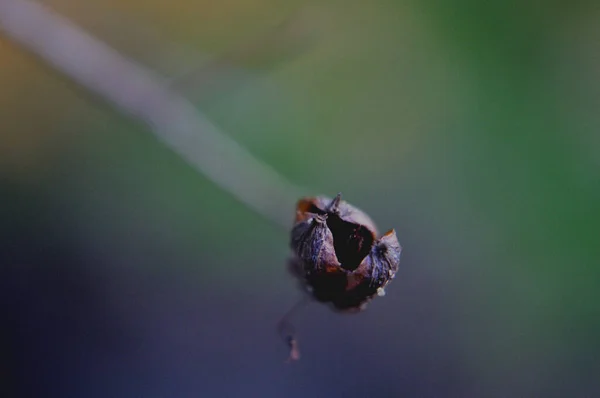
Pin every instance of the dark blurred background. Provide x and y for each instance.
(470, 127)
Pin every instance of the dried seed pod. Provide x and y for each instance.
(338, 254)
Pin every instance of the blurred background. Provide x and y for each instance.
(470, 127)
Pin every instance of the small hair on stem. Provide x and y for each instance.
(287, 331)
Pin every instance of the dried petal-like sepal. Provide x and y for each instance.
(313, 244)
(382, 263)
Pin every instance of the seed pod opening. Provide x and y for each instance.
(337, 252)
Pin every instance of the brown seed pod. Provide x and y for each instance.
(338, 254)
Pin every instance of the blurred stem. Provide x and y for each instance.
(139, 93)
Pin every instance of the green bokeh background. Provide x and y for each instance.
(470, 127)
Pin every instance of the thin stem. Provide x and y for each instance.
(139, 92)
(287, 331)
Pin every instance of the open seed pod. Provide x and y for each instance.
(338, 254)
